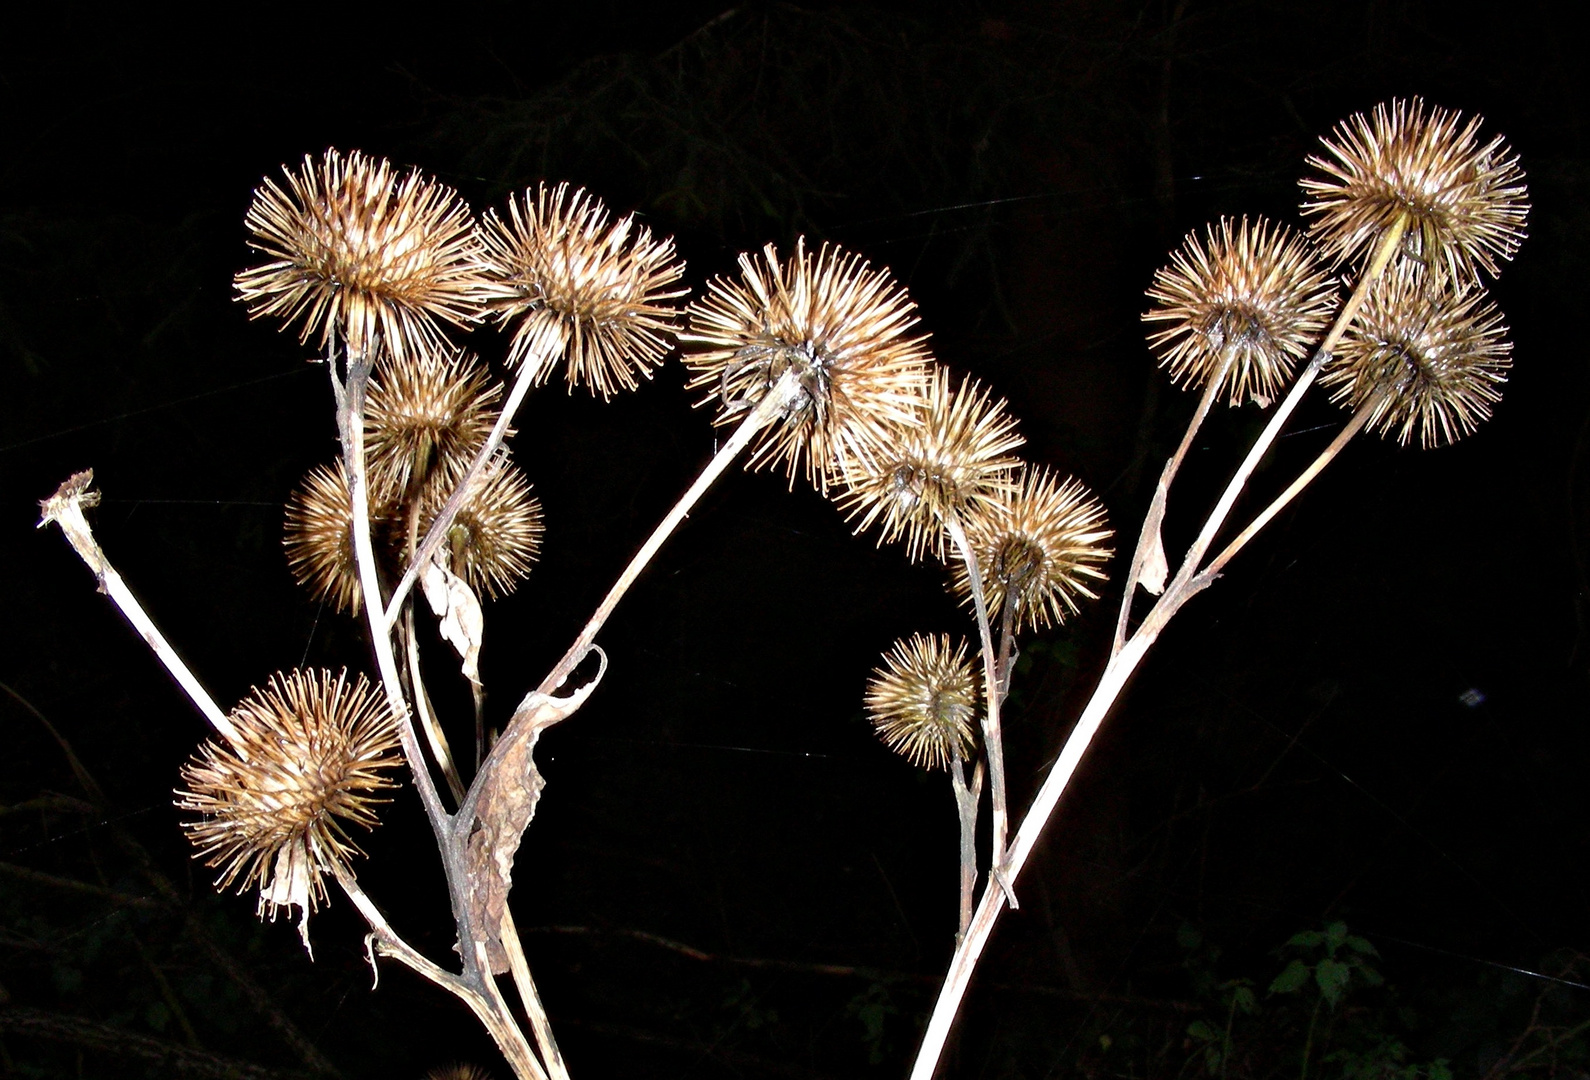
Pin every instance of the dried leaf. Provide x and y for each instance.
(462, 622)
(1155, 567)
(499, 808)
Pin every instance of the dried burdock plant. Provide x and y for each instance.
(1240, 308)
(496, 537)
(1041, 549)
(1422, 359)
(948, 460)
(1462, 205)
(354, 251)
(310, 758)
(318, 537)
(839, 329)
(815, 362)
(426, 413)
(923, 701)
(1418, 207)
(572, 285)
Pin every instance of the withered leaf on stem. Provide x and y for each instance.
(499, 807)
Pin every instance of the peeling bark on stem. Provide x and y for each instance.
(993, 743)
(966, 811)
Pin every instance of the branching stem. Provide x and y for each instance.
(464, 488)
(1124, 659)
(993, 741)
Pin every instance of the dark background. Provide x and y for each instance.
(729, 876)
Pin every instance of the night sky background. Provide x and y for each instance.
(1378, 717)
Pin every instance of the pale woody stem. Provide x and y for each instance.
(350, 422)
(773, 402)
(1155, 517)
(66, 510)
(531, 999)
(433, 731)
(1217, 517)
(1007, 644)
(482, 994)
(1343, 437)
(461, 492)
(993, 746)
(487, 1005)
(966, 809)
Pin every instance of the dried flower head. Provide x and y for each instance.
(460, 1071)
(839, 324)
(496, 536)
(425, 413)
(1464, 205)
(581, 288)
(358, 253)
(1038, 548)
(952, 459)
(1243, 308)
(319, 536)
(310, 759)
(1422, 358)
(923, 701)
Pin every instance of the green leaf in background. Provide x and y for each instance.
(1332, 976)
(1292, 978)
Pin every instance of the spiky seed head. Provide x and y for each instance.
(923, 701)
(1244, 306)
(496, 536)
(318, 536)
(1431, 360)
(841, 326)
(579, 288)
(1464, 204)
(460, 1071)
(425, 413)
(311, 758)
(1039, 548)
(951, 459)
(357, 253)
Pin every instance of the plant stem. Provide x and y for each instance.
(993, 743)
(1149, 538)
(481, 997)
(511, 944)
(350, 426)
(1308, 1040)
(993, 900)
(966, 810)
(462, 490)
(1123, 661)
(1343, 437)
(422, 705)
(65, 508)
(1007, 644)
(773, 402)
